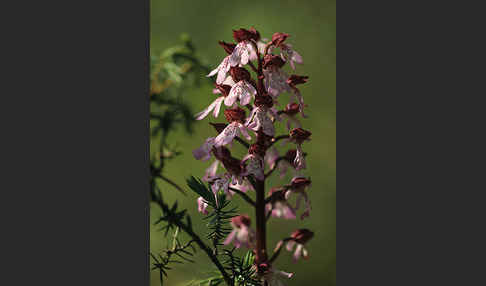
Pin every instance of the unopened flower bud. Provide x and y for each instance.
(238, 74)
(244, 35)
(241, 220)
(228, 47)
(299, 135)
(302, 236)
(278, 38)
(292, 109)
(297, 79)
(299, 183)
(263, 101)
(235, 114)
(273, 60)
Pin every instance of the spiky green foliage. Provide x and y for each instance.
(218, 218)
(180, 251)
(173, 73)
(242, 269)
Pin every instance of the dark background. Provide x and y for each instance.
(410, 140)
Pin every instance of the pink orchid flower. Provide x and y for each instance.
(221, 70)
(298, 136)
(243, 52)
(288, 54)
(215, 106)
(298, 239)
(259, 119)
(290, 113)
(243, 91)
(242, 234)
(279, 206)
(204, 152)
(275, 81)
(298, 186)
(254, 166)
(235, 117)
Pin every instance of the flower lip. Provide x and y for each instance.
(228, 47)
(236, 114)
(300, 182)
(257, 149)
(297, 79)
(302, 235)
(239, 73)
(299, 135)
(244, 34)
(241, 220)
(272, 60)
(223, 88)
(263, 101)
(291, 108)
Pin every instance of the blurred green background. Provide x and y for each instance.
(312, 26)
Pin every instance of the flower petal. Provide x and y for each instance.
(298, 252)
(289, 213)
(244, 131)
(296, 57)
(204, 152)
(233, 95)
(299, 161)
(251, 89)
(213, 72)
(211, 171)
(227, 135)
(286, 274)
(201, 115)
(202, 205)
(217, 106)
(223, 69)
(305, 254)
(230, 237)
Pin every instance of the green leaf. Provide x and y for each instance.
(248, 259)
(199, 188)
